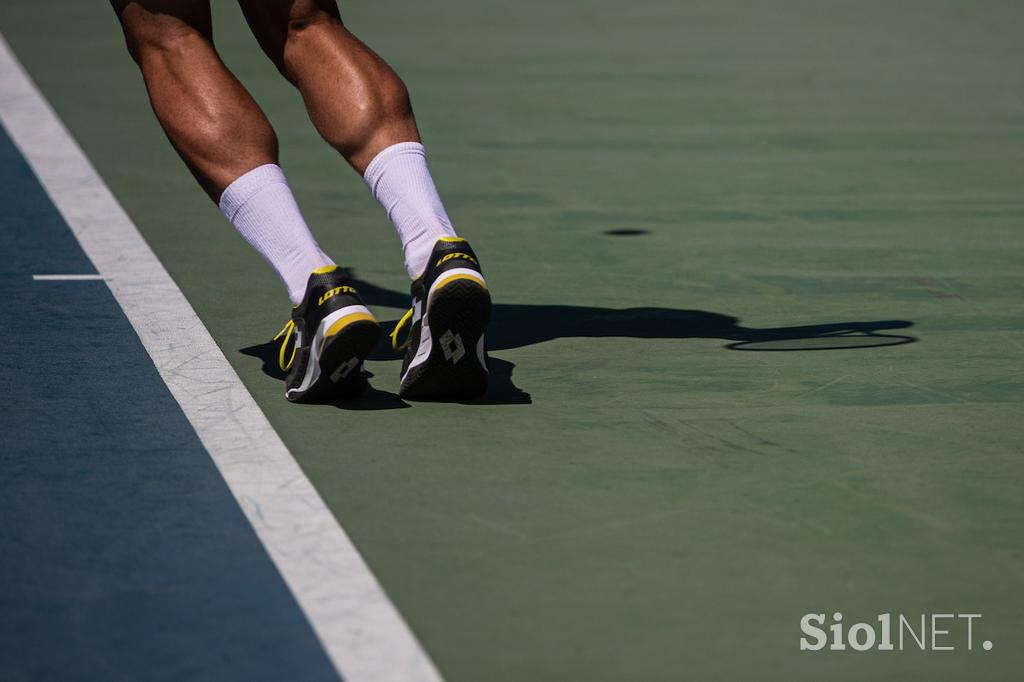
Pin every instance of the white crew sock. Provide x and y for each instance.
(401, 182)
(261, 207)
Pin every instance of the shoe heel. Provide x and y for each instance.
(341, 359)
(458, 313)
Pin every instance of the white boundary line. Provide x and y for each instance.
(361, 631)
(67, 278)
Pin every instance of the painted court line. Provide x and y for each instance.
(361, 631)
(68, 278)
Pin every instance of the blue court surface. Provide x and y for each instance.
(125, 557)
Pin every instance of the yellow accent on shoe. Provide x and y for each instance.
(456, 254)
(453, 278)
(338, 325)
(399, 347)
(325, 269)
(343, 289)
(287, 332)
(451, 239)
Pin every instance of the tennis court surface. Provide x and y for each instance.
(758, 274)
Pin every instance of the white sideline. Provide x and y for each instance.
(66, 278)
(359, 628)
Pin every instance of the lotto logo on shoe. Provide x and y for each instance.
(452, 346)
(457, 254)
(889, 632)
(334, 292)
(344, 369)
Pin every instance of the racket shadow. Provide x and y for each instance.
(515, 325)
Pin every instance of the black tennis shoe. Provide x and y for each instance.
(330, 334)
(445, 357)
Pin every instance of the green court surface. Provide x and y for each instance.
(648, 184)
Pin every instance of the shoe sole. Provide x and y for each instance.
(340, 363)
(456, 318)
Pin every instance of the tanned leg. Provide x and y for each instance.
(212, 121)
(356, 101)
(361, 107)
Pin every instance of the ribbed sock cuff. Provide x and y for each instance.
(246, 186)
(375, 171)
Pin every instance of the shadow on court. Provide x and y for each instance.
(500, 389)
(517, 325)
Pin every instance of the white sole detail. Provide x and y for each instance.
(423, 350)
(481, 354)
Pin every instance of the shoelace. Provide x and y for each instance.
(399, 347)
(286, 331)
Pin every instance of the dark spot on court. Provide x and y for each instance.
(628, 232)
